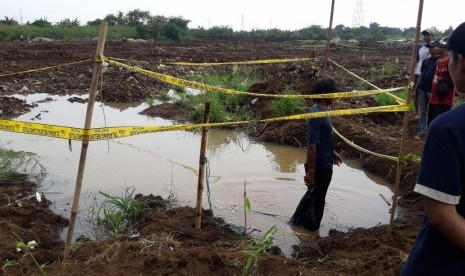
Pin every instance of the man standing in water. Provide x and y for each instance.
(440, 246)
(320, 159)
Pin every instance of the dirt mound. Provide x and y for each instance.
(343, 254)
(12, 107)
(22, 216)
(168, 243)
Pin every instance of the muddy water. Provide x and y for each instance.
(167, 162)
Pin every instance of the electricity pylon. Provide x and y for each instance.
(358, 20)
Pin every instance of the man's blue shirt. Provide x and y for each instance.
(320, 133)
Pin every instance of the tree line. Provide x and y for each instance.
(141, 24)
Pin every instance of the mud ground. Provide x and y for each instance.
(213, 250)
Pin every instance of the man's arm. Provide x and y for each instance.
(445, 219)
(309, 178)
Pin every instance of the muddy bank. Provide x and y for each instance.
(167, 243)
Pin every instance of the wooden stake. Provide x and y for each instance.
(245, 212)
(200, 184)
(329, 39)
(85, 143)
(405, 121)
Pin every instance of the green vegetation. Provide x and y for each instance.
(164, 96)
(151, 100)
(13, 162)
(286, 106)
(140, 24)
(27, 248)
(384, 99)
(223, 107)
(8, 163)
(8, 32)
(114, 217)
(117, 216)
(256, 248)
(226, 107)
(389, 69)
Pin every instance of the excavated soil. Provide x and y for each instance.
(168, 243)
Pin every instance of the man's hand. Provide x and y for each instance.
(309, 178)
(337, 159)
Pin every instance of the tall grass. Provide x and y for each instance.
(223, 107)
(116, 216)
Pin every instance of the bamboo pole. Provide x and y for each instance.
(245, 211)
(200, 184)
(85, 143)
(405, 121)
(329, 39)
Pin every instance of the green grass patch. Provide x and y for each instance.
(223, 107)
(12, 32)
(285, 106)
(20, 162)
(116, 216)
(384, 99)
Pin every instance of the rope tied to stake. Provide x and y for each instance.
(236, 228)
(409, 159)
(99, 59)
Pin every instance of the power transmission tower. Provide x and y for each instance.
(358, 19)
(242, 22)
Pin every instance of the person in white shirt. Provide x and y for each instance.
(423, 53)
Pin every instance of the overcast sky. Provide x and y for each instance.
(247, 14)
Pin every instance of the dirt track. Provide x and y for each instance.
(217, 250)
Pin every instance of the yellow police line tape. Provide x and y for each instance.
(397, 99)
(403, 160)
(120, 132)
(45, 68)
(350, 143)
(265, 61)
(209, 88)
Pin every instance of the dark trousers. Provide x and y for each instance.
(322, 181)
(309, 212)
(435, 110)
